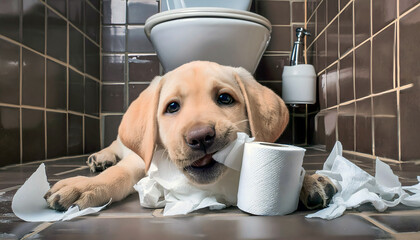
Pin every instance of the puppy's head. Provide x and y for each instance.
(196, 110)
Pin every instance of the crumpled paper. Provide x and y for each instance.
(356, 187)
(29, 204)
(168, 187)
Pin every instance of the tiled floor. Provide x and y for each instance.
(127, 220)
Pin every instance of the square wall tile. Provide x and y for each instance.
(409, 115)
(113, 68)
(319, 129)
(59, 5)
(330, 125)
(321, 17)
(96, 3)
(322, 90)
(9, 136)
(56, 86)
(332, 79)
(33, 135)
(386, 125)
(140, 10)
(343, 3)
(346, 78)
(92, 54)
(9, 72)
(277, 12)
(346, 126)
(111, 124)
(311, 6)
(76, 50)
(311, 27)
(321, 53)
(332, 42)
(346, 30)
(406, 5)
(112, 98)
(92, 135)
(10, 19)
(364, 126)
(33, 78)
(409, 49)
(56, 134)
(76, 92)
(361, 21)
(75, 138)
(91, 97)
(332, 9)
(134, 91)
(280, 40)
(92, 22)
(56, 36)
(383, 12)
(113, 38)
(34, 24)
(137, 41)
(271, 67)
(298, 12)
(142, 68)
(383, 53)
(362, 70)
(75, 11)
(114, 11)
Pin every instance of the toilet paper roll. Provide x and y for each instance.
(271, 178)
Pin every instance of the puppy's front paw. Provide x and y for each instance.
(101, 160)
(317, 191)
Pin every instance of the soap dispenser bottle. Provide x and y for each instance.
(297, 52)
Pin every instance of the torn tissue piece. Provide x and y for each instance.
(29, 204)
(356, 187)
(231, 156)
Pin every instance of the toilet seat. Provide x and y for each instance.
(204, 12)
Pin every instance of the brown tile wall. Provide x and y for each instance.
(365, 53)
(130, 62)
(49, 79)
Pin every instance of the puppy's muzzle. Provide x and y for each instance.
(200, 138)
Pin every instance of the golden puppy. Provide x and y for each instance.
(192, 112)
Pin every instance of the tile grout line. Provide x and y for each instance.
(37, 229)
(376, 223)
(398, 78)
(354, 78)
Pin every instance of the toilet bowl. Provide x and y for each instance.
(227, 36)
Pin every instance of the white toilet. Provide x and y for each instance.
(188, 30)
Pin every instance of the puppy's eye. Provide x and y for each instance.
(225, 99)
(173, 107)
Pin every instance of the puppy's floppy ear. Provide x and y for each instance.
(138, 128)
(267, 114)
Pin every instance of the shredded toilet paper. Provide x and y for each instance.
(231, 156)
(29, 204)
(356, 187)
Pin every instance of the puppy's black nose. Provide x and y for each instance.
(200, 137)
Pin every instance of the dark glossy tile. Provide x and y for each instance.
(142, 68)
(332, 79)
(310, 132)
(92, 58)
(10, 19)
(386, 125)
(330, 125)
(277, 12)
(332, 8)
(362, 70)
(364, 126)
(346, 30)
(137, 41)
(332, 42)
(33, 78)
(140, 10)
(96, 3)
(76, 50)
(9, 136)
(34, 24)
(406, 5)
(112, 98)
(275, 86)
(92, 22)
(321, 53)
(311, 55)
(298, 12)
(9, 72)
(76, 92)
(346, 126)
(56, 134)
(91, 97)
(111, 124)
(322, 90)
(400, 224)
(56, 36)
(113, 38)
(383, 12)
(75, 138)
(92, 136)
(278, 40)
(271, 67)
(134, 91)
(409, 50)
(383, 60)
(299, 131)
(321, 16)
(361, 18)
(113, 68)
(343, 3)
(311, 6)
(114, 11)
(75, 11)
(311, 27)
(320, 129)
(409, 114)
(346, 78)
(33, 135)
(56, 86)
(59, 5)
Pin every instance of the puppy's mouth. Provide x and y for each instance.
(204, 170)
(204, 162)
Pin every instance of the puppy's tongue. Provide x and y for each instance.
(203, 161)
